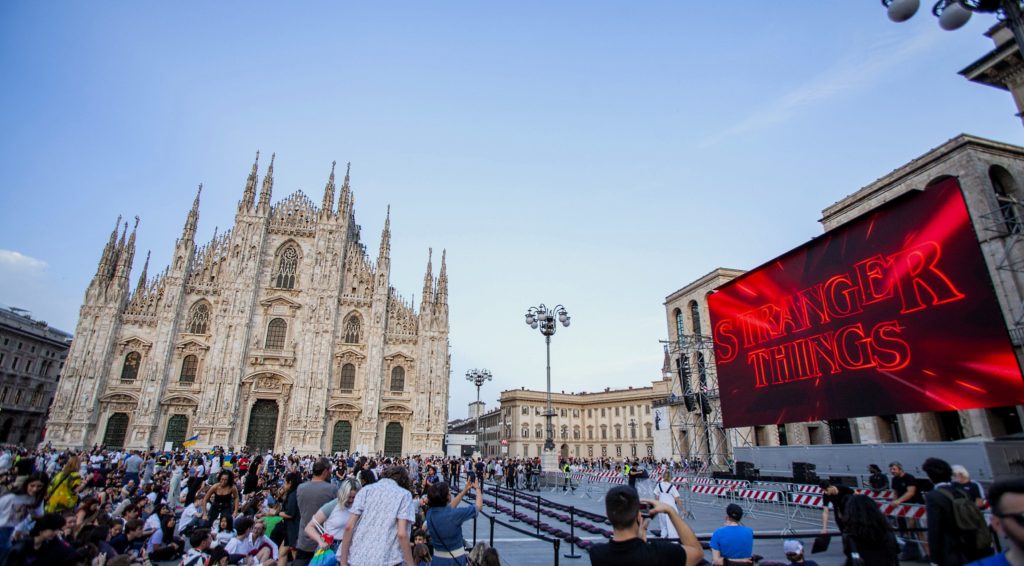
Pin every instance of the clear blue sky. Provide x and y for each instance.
(597, 154)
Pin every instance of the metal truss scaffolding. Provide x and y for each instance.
(1006, 223)
(694, 405)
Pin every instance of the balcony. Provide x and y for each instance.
(261, 356)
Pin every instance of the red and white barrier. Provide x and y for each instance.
(758, 494)
(877, 493)
(902, 510)
(803, 488)
(719, 490)
(806, 499)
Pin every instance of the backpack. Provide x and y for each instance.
(974, 533)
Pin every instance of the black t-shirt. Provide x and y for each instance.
(635, 551)
(838, 502)
(900, 485)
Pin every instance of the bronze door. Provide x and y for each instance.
(117, 430)
(393, 440)
(342, 439)
(262, 426)
(177, 428)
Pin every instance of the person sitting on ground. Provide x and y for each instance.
(732, 541)
(794, 550)
(629, 544)
(198, 554)
(444, 521)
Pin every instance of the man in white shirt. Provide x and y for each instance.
(240, 547)
(188, 515)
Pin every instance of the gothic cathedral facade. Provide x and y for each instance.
(279, 334)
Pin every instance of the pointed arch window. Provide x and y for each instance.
(680, 327)
(287, 265)
(398, 379)
(695, 317)
(352, 329)
(130, 369)
(276, 331)
(198, 318)
(348, 377)
(189, 369)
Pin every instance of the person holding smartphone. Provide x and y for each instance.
(630, 518)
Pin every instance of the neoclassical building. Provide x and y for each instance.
(280, 333)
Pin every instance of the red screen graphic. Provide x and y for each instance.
(891, 313)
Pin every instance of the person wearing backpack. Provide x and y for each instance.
(957, 532)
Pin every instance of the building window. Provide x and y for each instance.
(3, 395)
(604, 432)
(189, 368)
(17, 396)
(565, 432)
(398, 379)
(680, 328)
(616, 411)
(198, 318)
(563, 413)
(695, 317)
(576, 413)
(602, 412)
(28, 366)
(348, 377)
(647, 409)
(14, 364)
(287, 264)
(590, 433)
(632, 431)
(130, 369)
(604, 451)
(632, 411)
(590, 413)
(276, 331)
(650, 451)
(576, 433)
(525, 410)
(618, 450)
(352, 329)
(525, 432)
(647, 426)
(618, 432)
(538, 432)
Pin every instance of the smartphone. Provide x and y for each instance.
(645, 510)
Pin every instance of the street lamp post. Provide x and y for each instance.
(632, 436)
(545, 320)
(478, 377)
(953, 14)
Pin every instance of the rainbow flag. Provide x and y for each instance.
(191, 441)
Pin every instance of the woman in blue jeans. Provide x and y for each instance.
(18, 507)
(444, 522)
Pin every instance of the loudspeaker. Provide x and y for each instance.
(691, 403)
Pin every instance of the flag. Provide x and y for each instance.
(228, 464)
(191, 441)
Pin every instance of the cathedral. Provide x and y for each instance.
(279, 334)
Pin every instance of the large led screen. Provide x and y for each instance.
(891, 313)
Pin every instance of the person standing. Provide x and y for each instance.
(905, 486)
(867, 534)
(668, 494)
(970, 488)
(878, 479)
(1007, 500)
(949, 542)
(377, 533)
(311, 496)
(834, 497)
(444, 519)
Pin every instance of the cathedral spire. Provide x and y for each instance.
(344, 201)
(442, 281)
(107, 259)
(249, 197)
(385, 239)
(143, 277)
(428, 281)
(268, 184)
(124, 262)
(192, 221)
(328, 206)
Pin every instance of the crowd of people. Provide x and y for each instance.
(220, 507)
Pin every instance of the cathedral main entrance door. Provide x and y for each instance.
(393, 440)
(117, 430)
(342, 439)
(262, 426)
(177, 428)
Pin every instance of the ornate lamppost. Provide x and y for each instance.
(953, 14)
(546, 320)
(478, 377)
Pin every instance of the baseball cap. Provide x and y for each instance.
(792, 547)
